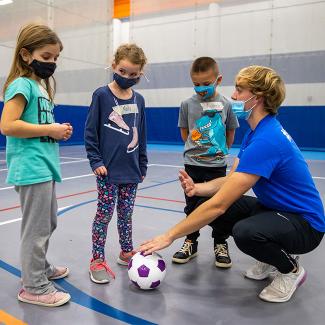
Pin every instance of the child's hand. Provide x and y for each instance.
(186, 183)
(69, 132)
(100, 171)
(59, 131)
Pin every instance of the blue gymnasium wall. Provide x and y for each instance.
(305, 124)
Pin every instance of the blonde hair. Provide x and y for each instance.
(263, 82)
(31, 37)
(132, 53)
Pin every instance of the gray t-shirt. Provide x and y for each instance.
(207, 122)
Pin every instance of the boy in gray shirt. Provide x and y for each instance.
(207, 126)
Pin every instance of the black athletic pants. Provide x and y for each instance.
(200, 175)
(266, 235)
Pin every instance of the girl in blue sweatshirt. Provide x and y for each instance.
(115, 140)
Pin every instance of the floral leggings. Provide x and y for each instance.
(107, 195)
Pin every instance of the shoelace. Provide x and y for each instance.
(186, 248)
(107, 268)
(221, 249)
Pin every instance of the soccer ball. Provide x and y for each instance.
(147, 272)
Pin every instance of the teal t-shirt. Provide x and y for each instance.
(32, 160)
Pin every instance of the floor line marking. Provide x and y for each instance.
(61, 163)
(83, 299)
(72, 158)
(19, 219)
(89, 191)
(92, 191)
(8, 319)
(163, 165)
(63, 179)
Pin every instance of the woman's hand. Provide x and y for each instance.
(100, 171)
(155, 244)
(187, 183)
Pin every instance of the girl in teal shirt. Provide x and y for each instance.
(33, 157)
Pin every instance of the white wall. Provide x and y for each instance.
(276, 30)
(235, 32)
(85, 28)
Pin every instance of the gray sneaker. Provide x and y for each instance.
(283, 286)
(260, 271)
(100, 272)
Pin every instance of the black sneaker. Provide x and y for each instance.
(188, 251)
(222, 255)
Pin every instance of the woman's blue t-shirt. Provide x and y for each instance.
(285, 183)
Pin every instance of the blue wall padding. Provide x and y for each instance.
(304, 123)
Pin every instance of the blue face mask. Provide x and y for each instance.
(123, 82)
(207, 90)
(238, 107)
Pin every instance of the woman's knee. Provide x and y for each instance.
(244, 233)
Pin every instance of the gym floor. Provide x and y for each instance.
(193, 293)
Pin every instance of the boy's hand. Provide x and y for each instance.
(187, 183)
(59, 131)
(100, 171)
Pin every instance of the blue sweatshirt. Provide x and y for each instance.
(115, 136)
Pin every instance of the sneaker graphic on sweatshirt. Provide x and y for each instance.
(119, 124)
(134, 144)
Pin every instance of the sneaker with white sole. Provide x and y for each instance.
(60, 272)
(283, 286)
(187, 252)
(100, 272)
(260, 271)
(125, 257)
(222, 256)
(53, 299)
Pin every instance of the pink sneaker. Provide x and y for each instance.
(59, 273)
(53, 299)
(100, 272)
(125, 257)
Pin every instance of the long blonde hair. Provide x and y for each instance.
(31, 37)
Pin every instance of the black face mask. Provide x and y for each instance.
(42, 69)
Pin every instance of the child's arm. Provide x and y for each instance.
(184, 134)
(230, 136)
(183, 121)
(143, 159)
(92, 138)
(12, 125)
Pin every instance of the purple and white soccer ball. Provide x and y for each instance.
(147, 272)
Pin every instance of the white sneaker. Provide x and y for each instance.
(260, 271)
(283, 286)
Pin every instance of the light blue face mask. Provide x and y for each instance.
(208, 90)
(238, 107)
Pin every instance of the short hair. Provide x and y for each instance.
(263, 82)
(131, 52)
(204, 64)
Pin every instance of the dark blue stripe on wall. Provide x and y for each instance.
(304, 123)
(294, 68)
